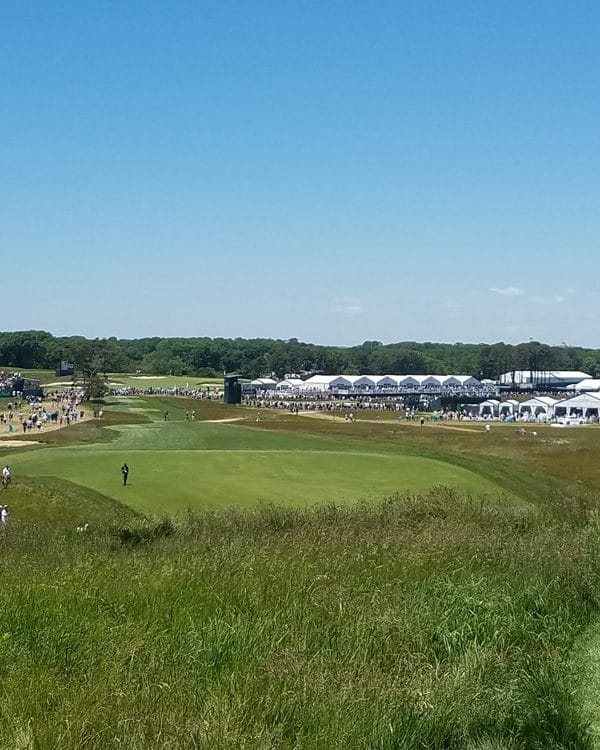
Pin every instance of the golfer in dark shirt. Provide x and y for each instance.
(125, 473)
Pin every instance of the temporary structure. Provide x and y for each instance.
(538, 406)
(508, 408)
(584, 405)
(266, 383)
(489, 408)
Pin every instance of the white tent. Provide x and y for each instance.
(450, 380)
(508, 408)
(585, 405)
(318, 383)
(468, 380)
(538, 405)
(344, 381)
(589, 384)
(434, 380)
(389, 381)
(265, 383)
(410, 380)
(489, 408)
(367, 381)
(459, 380)
(289, 384)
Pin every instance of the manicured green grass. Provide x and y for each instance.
(44, 376)
(140, 380)
(168, 481)
(128, 379)
(179, 464)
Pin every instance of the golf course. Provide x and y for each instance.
(178, 465)
(274, 580)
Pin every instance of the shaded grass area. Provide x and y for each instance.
(57, 504)
(424, 621)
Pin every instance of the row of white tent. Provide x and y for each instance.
(368, 382)
(584, 405)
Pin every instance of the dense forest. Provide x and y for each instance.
(258, 357)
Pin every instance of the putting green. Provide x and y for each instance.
(172, 479)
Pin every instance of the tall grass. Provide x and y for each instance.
(435, 621)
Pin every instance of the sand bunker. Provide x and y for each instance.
(17, 443)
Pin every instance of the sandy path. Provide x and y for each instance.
(29, 438)
(427, 425)
(220, 421)
(17, 443)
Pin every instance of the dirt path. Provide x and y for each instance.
(220, 421)
(29, 438)
(427, 425)
(8, 443)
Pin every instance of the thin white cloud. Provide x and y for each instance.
(348, 306)
(555, 298)
(508, 291)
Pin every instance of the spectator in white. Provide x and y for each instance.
(4, 515)
(6, 476)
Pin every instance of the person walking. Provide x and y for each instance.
(125, 473)
(4, 515)
(6, 476)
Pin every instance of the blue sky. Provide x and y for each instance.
(329, 171)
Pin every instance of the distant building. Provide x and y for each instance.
(263, 383)
(64, 368)
(552, 379)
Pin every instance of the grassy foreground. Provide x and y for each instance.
(426, 621)
(431, 618)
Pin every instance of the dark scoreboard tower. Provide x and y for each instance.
(232, 389)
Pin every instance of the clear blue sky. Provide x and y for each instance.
(330, 171)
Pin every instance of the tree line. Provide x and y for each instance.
(250, 358)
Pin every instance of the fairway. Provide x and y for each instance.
(179, 465)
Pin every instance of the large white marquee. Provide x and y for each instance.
(381, 383)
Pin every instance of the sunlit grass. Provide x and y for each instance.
(425, 620)
(422, 621)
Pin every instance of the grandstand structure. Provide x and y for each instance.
(16, 385)
(375, 385)
(542, 379)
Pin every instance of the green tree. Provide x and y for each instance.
(91, 376)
